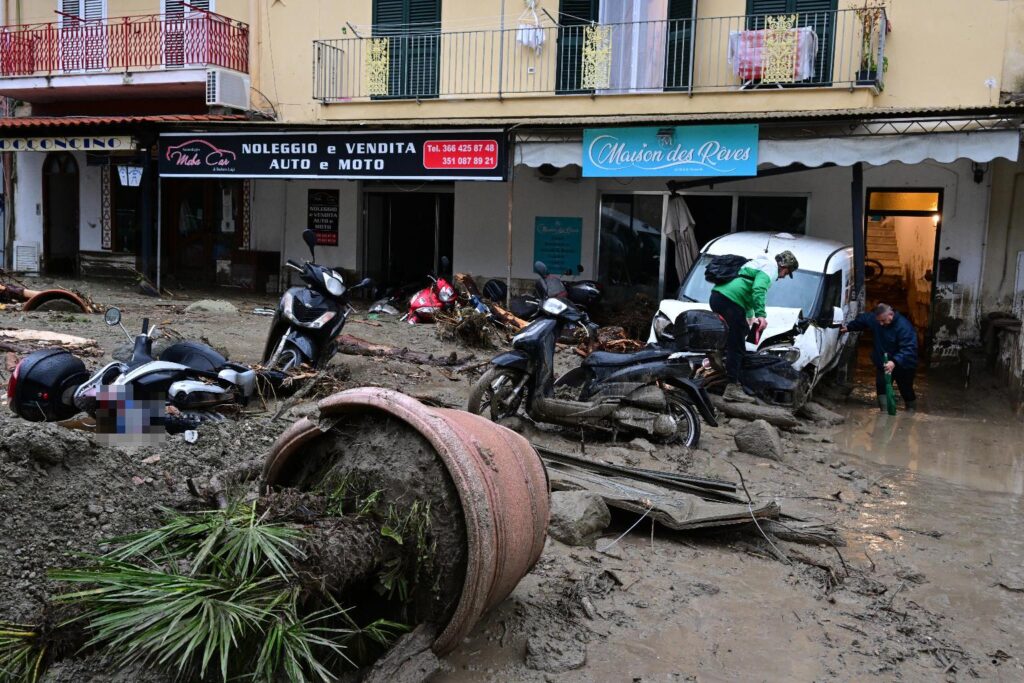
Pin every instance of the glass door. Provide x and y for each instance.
(630, 247)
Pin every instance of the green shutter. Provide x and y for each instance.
(573, 15)
(819, 14)
(415, 30)
(677, 45)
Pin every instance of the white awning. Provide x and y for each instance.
(877, 150)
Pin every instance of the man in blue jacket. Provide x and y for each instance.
(895, 336)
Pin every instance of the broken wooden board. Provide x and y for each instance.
(354, 346)
(673, 509)
(43, 338)
(708, 489)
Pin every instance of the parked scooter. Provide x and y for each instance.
(634, 404)
(309, 319)
(430, 301)
(585, 293)
(193, 378)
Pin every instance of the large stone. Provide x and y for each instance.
(761, 439)
(577, 517)
(212, 306)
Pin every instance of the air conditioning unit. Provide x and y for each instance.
(227, 89)
(26, 257)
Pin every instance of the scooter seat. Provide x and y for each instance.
(609, 359)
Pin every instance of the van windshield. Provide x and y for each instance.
(799, 292)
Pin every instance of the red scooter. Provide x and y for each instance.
(429, 301)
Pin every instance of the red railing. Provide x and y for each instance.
(122, 43)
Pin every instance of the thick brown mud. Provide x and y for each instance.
(930, 585)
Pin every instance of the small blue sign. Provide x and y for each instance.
(556, 242)
(729, 150)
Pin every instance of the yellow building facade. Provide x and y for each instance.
(853, 103)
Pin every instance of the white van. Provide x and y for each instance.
(802, 312)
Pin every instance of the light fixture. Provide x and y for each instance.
(935, 219)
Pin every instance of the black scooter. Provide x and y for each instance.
(309, 319)
(52, 384)
(661, 403)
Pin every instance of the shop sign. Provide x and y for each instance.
(93, 143)
(670, 151)
(322, 209)
(383, 155)
(556, 242)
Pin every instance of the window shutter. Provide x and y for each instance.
(424, 47)
(94, 9)
(677, 46)
(414, 52)
(818, 14)
(573, 15)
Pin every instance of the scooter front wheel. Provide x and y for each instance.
(494, 395)
(687, 422)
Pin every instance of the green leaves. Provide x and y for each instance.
(21, 654)
(213, 593)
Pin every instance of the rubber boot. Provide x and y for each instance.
(911, 406)
(883, 404)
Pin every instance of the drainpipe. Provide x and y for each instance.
(255, 43)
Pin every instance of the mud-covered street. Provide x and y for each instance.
(924, 584)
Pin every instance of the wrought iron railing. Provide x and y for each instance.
(119, 44)
(842, 48)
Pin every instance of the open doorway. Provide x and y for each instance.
(406, 234)
(902, 237)
(60, 214)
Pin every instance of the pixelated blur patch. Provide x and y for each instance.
(122, 418)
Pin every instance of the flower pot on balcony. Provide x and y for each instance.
(867, 77)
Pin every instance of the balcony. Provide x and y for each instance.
(158, 55)
(835, 49)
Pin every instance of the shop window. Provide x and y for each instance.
(629, 258)
(772, 213)
(414, 30)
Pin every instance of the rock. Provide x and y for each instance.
(577, 517)
(545, 653)
(761, 439)
(819, 413)
(212, 306)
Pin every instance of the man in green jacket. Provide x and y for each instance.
(740, 300)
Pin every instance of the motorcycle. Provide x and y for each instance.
(699, 338)
(190, 377)
(308, 319)
(429, 301)
(585, 293)
(658, 402)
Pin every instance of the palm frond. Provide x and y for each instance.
(21, 653)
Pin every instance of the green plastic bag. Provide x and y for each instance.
(890, 395)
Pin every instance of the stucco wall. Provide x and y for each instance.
(282, 205)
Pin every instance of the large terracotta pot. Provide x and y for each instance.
(501, 481)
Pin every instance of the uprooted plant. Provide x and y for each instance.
(264, 590)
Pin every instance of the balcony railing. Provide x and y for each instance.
(818, 49)
(124, 43)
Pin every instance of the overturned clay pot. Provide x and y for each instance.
(500, 481)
